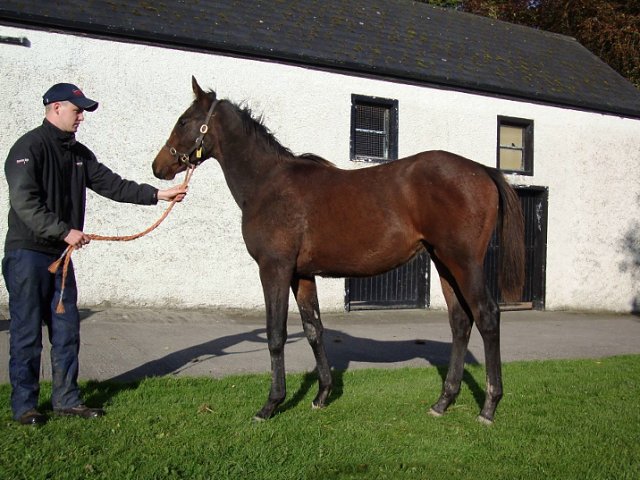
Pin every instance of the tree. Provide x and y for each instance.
(609, 28)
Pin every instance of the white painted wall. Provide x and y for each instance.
(589, 162)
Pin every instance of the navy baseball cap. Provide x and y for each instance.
(68, 92)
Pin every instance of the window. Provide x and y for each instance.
(515, 145)
(374, 129)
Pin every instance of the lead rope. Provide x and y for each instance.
(65, 258)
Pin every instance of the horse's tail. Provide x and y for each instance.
(511, 236)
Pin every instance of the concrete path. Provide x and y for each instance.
(131, 343)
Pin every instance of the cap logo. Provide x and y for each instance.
(78, 93)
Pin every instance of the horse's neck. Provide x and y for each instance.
(245, 170)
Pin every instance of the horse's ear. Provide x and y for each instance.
(197, 91)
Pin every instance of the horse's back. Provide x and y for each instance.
(423, 189)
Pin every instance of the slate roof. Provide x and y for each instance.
(398, 39)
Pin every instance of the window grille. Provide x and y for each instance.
(374, 129)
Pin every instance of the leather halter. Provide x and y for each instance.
(185, 158)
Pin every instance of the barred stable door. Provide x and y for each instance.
(403, 287)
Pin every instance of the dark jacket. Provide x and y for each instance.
(48, 173)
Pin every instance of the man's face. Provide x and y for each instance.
(66, 116)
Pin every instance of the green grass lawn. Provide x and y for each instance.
(558, 420)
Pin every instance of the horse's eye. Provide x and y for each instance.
(182, 122)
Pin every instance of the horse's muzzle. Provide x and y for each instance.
(164, 166)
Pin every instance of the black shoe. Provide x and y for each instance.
(80, 411)
(32, 417)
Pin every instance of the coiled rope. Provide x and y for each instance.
(65, 258)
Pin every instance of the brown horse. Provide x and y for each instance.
(302, 216)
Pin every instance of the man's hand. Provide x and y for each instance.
(77, 239)
(178, 193)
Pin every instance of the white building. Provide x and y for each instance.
(562, 124)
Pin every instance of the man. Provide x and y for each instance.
(48, 172)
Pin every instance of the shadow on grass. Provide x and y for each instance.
(310, 381)
(467, 379)
(98, 394)
(343, 350)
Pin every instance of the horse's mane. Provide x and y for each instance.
(254, 126)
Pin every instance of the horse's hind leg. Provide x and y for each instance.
(472, 300)
(304, 290)
(461, 325)
(488, 323)
(484, 311)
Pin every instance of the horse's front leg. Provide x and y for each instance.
(305, 292)
(275, 284)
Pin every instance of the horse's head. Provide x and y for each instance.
(189, 144)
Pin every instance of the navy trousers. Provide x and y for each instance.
(33, 296)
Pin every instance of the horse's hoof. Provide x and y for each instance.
(484, 420)
(317, 406)
(434, 413)
(257, 419)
